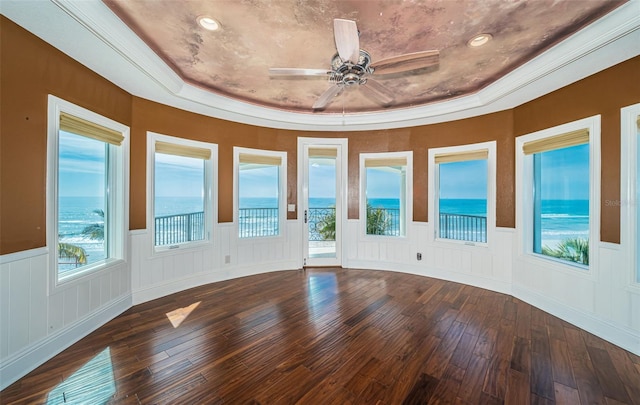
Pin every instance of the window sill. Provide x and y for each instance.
(461, 243)
(633, 288)
(181, 247)
(569, 268)
(254, 239)
(90, 272)
(391, 238)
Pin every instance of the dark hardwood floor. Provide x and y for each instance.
(334, 336)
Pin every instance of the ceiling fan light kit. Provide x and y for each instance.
(352, 67)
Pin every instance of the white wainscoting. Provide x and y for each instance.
(161, 274)
(600, 303)
(478, 266)
(36, 325)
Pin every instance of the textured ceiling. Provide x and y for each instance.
(256, 35)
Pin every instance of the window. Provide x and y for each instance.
(561, 191)
(463, 177)
(386, 198)
(261, 185)
(87, 188)
(182, 173)
(637, 199)
(630, 191)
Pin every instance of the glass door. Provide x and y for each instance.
(322, 204)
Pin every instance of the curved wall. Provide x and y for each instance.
(31, 69)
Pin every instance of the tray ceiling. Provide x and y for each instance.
(253, 36)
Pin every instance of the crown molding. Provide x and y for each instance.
(90, 33)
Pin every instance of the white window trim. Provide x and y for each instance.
(629, 233)
(408, 200)
(524, 198)
(282, 191)
(118, 197)
(211, 192)
(491, 191)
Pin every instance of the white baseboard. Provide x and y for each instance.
(27, 359)
(625, 338)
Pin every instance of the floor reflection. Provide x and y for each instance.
(91, 384)
(322, 292)
(177, 316)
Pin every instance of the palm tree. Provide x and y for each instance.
(378, 223)
(327, 226)
(573, 249)
(95, 231)
(71, 251)
(77, 253)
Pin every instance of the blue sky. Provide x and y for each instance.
(322, 179)
(573, 164)
(178, 176)
(463, 180)
(383, 183)
(81, 166)
(259, 183)
(82, 174)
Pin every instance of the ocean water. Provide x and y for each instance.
(76, 213)
(464, 207)
(564, 219)
(561, 219)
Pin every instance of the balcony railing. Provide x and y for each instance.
(322, 224)
(256, 222)
(180, 228)
(463, 227)
(383, 221)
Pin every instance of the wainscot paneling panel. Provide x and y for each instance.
(474, 265)
(160, 274)
(5, 309)
(598, 302)
(36, 323)
(21, 307)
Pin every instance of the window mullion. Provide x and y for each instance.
(537, 203)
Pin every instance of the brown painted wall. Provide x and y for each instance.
(31, 69)
(150, 116)
(604, 93)
(158, 118)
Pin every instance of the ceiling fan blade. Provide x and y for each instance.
(298, 72)
(327, 96)
(406, 62)
(378, 92)
(347, 41)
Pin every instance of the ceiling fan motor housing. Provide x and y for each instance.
(349, 74)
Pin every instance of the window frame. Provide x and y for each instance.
(282, 191)
(524, 197)
(408, 193)
(433, 191)
(210, 192)
(117, 197)
(629, 205)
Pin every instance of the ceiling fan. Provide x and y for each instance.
(352, 66)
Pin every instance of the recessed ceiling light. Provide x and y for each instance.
(479, 40)
(208, 23)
